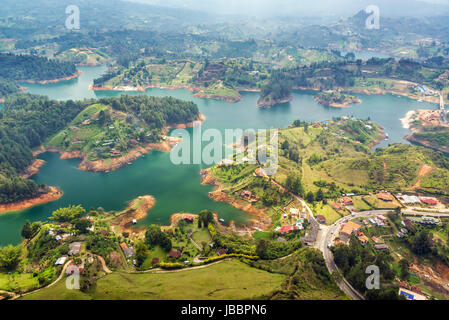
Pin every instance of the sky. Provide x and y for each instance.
(306, 7)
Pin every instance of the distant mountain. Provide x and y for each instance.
(111, 14)
(331, 8)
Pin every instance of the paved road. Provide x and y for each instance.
(323, 238)
(436, 212)
(328, 234)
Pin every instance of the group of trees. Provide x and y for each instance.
(353, 261)
(157, 112)
(25, 122)
(277, 88)
(68, 214)
(270, 250)
(10, 257)
(294, 184)
(205, 218)
(30, 67)
(156, 237)
(7, 87)
(29, 230)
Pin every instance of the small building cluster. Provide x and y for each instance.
(249, 196)
(347, 230)
(127, 251)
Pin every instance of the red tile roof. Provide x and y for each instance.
(385, 196)
(287, 229)
(429, 201)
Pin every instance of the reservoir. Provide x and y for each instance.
(177, 188)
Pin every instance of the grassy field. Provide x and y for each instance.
(374, 202)
(360, 205)
(327, 211)
(230, 279)
(156, 252)
(201, 235)
(18, 281)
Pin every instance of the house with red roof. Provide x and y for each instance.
(429, 201)
(384, 196)
(287, 229)
(347, 201)
(321, 218)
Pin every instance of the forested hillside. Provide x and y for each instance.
(28, 67)
(7, 87)
(27, 120)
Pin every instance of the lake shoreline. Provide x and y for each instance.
(137, 210)
(191, 88)
(77, 75)
(260, 221)
(261, 103)
(53, 194)
(113, 164)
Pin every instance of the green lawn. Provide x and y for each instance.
(360, 205)
(230, 279)
(18, 282)
(156, 252)
(374, 202)
(327, 211)
(201, 235)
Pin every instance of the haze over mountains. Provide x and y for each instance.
(306, 8)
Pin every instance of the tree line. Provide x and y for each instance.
(26, 121)
(30, 67)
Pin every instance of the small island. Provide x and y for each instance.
(277, 91)
(336, 99)
(117, 131)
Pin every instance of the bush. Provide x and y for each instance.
(171, 265)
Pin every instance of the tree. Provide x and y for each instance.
(261, 248)
(81, 225)
(141, 253)
(27, 232)
(319, 195)
(420, 243)
(10, 257)
(297, 187)
(68, 214)
(181, 225)
(206, 217)
(285, 145)
(310, 197)
(155, 236)
(404, 265)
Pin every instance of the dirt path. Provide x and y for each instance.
(103, 264)
(423, 171)
(159, 270)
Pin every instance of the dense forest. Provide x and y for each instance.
(7, 87)
(157, 112)
(29, 67)
(27, 120)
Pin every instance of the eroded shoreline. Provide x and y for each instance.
(53, 194)
(260, 222)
